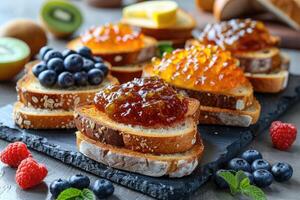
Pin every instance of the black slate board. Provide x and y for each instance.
(221, 144)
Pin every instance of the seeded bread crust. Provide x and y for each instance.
(237, 99)
(157, 140)
(31, 118)
(172, 165)
(127, 57)
(31, 93)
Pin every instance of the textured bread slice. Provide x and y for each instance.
(32, 93)
(175, 138)
(172, 165)
(128, 72)
(182, 30)
(206, 5)
(126, 57)
(237, 99)
(269, 83)
(286, 10)
(219, 116)
(32, 118)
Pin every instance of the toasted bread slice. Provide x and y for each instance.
(219, 116)
(181, 30)
(97, 125)
(236, 99)
(32, 93)
(269, 83)
(172, 165)
(126, 57)
(32, 118)
(128, 72)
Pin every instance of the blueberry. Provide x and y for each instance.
(262, 178)
(251, 155)
(97, 59)
(103, 188)
(260, 164)
(239, 164)
(56, 64)
(52, 54)
(68, 52)
(219, 181)
(88, 64)
(85, 52)
(282, 171)
(43, 52)
(57, 186)
(79, 181)
(95, 76)
(73, 63)
(38, 68)
(250, 176)
(81, 78)
(102, 67)
(65, 79)
(47, 78)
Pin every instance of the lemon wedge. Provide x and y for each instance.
(157, 13)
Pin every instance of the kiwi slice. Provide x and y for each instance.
(61, 17)
(14, 54)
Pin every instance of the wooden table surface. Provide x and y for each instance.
(9, 191)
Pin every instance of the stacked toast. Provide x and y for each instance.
(139, 144)
(125, 48)
(257, 51)
(39, 107)
(212, 76)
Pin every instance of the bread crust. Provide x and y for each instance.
(124, 58)
(206, 5)
(54, 99)
(107, 131)
(39, 119)
(172, 165)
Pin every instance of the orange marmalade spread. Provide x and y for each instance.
(200, 68)
(238, 35)
(116, 37)
(145, 102)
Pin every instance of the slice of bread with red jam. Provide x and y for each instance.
(255, 48)
(212, 76)
(142, 122)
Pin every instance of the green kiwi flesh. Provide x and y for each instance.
(61, 16)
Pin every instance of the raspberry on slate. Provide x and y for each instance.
(283, 135)
(14, 153)
(30, 173)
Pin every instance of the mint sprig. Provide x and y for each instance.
(76, 194)
(165, 47)
(240, 183)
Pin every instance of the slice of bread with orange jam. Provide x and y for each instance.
(212, 76)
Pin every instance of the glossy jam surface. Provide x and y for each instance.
(238, 35)
(145, 102)
(199, 68)
(114, 37)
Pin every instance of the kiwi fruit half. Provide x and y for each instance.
(14, 54)
(27, 31)
(60, 17)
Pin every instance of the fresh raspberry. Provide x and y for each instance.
(30, 173)
(283, 135)
(14, 153)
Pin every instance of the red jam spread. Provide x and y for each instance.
(200, 67)
(112, 37)
(238, 35)
(145, 102)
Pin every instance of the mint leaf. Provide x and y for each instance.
(231, 180)
(253, 192)
(244, 183)
(88, 194)
(165, 47)
(240, 176)
(69, 194)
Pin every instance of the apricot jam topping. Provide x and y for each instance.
(238, 35)
(199, 68)
(115, 37)
(145, 102)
